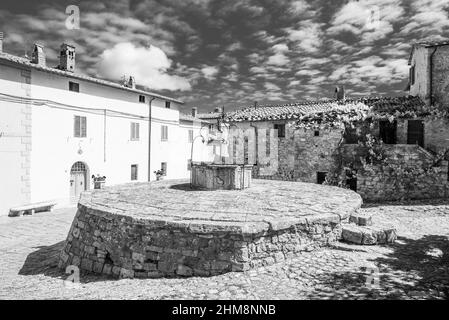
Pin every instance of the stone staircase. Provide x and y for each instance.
(360, 230)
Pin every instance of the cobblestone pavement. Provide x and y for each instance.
(416, 267)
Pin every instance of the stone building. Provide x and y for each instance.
(337, 141)
(429, 72)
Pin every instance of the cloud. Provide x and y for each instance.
(209, 72)
(307, 37)
(148, 65)
(429, 17)
(371, 20)
(279, 58)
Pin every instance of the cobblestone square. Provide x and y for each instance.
(415, 267)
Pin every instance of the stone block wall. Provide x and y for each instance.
(382, 183)
(440, 76)
(304, 152)
(121, 246)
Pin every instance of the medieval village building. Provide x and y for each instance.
(385, 148)
(59, 128)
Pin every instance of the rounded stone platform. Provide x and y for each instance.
(166, 229)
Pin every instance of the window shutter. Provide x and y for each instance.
(83, 127)
(77, 132)
(137, 131)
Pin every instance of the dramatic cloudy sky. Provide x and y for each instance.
(224, 52)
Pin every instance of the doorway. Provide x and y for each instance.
(78, 180)
(415, 132)
(387, 131)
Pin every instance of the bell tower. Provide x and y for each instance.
(67, 58)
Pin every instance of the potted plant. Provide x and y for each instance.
(159, 174)
(99, 181)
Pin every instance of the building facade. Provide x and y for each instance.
(59, 128)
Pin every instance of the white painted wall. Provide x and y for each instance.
(55, 149)
(421, 86)
(11, 133)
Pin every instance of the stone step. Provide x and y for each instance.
(368, 235)
(361, 219)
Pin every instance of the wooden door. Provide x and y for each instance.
(415, 132)
(78, 175)
(387, 131)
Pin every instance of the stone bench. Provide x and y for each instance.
(31, 208)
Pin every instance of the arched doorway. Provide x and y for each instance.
(78, 180)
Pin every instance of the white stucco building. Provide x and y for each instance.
(58, 128)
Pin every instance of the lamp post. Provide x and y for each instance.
(191, 151)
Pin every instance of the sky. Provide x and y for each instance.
(211, 53)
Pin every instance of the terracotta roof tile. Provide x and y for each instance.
(296, 110)
(26, 62)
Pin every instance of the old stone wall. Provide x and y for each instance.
(396, 183)
(441, 77)
(121, 246)
(305, 152)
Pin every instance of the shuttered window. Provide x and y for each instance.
(135, 128)
(190, 136)
(164, 168)
(164, 133)
(412, 75)
(80, 127)
(167, 104)
(134, 172)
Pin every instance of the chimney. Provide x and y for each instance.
(67, 58)
(340, 93)
(38, 56)
(1, 41)
(194, 112)
(130, 82)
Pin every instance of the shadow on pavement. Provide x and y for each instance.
(44, 261)
(419, 268)
(407, 203)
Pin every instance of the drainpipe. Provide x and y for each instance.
(431, 75)
(256, 142)
(149, 139)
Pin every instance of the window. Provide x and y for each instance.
(316, 133)
(164, 133)
(281, 130)
(80, 127)
(387, 131)
(134, 173)
(73, 86)
(412, 75)
(415, 132)
(142, 98)
(351, 136)
(167, 104)
(135, 131)
(351, 181)
(164, 168)
(190, 136)
(321, 177)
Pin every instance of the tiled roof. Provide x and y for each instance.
(432, 43)
(294, 111)
(209, 115)
(27, 63)
(188, 117)
(427, 43)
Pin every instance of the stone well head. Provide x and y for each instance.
(212, 176)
